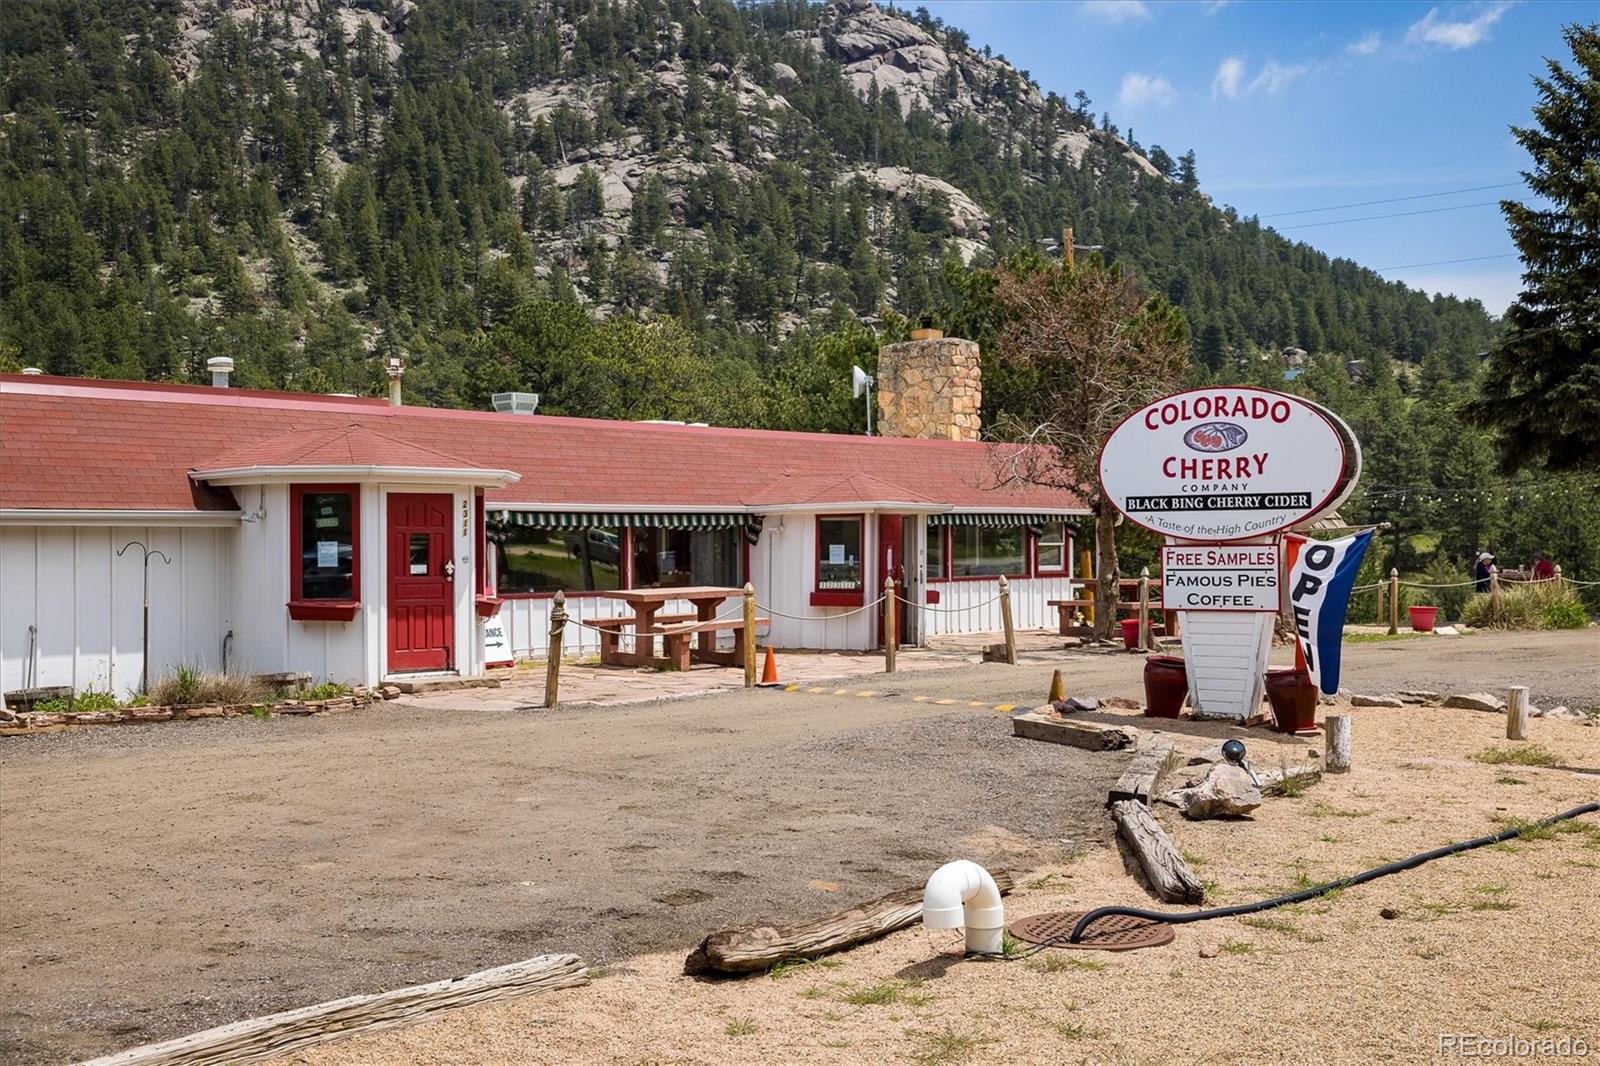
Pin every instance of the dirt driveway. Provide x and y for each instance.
(159, 880)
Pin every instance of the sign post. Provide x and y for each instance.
(1221, 473)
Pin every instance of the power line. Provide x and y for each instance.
(1445, 262)
(1390, 200)
(1396, 214)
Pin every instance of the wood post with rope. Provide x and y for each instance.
(1005, 619)
(1496, 604)
(552, 666)
(1144, 609)
(749, 635)
(1394, 600)
(890, 632)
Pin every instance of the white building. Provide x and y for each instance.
(356, 540)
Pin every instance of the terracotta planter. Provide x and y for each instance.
(1166, 686)
(1294, 700)
(1422, 618)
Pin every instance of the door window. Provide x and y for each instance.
(420, 543)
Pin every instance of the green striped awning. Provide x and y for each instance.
(997, 519)
(636, 519)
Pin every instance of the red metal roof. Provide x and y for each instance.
(68, 443)
(354, 445)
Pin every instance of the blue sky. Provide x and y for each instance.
(1298, 106)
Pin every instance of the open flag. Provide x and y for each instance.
(1321, 573)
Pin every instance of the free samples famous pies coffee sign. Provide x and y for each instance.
(1223, 464)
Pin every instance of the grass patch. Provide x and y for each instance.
(1527, 755)
(597, 972)
(1283, 927)
(884, 993)
(739, 1027)
(947, 1045)
(189, 684)
(1231, 946)
(328, 690)
(1071, 1031)
(1507, 779)
(786, 967)
(1379, 638)
(1061, 962)
(1322, 810)
(1527, 830)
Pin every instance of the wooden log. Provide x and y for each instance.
(1336, 757)
(1037, 725)
(1517, 712)
(1138, 781)
(276, 1035)
(759, 948)
(1165, 869)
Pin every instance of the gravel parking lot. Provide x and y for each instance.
(162, 879)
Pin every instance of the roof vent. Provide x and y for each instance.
(516, 403)
(220, 366)
(32, 372)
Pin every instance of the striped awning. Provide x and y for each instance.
(997, 519)
(636, 519)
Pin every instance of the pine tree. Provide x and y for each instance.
(1541, 392)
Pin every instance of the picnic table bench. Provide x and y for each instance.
(648, 623)
(1065, 607)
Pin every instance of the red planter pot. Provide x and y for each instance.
(1422, 618)
(1294, 700)
(1166, 686)
(1130, 633)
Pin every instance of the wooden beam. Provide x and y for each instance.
(276, 1035)
(1138, 781)
(1036, 725)
(759, 948)
(1168, 874)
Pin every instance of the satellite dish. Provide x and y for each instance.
(860, 381)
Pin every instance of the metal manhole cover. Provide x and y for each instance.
(1114, 932)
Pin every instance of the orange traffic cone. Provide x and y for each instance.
(769, 669)
(1058, 688)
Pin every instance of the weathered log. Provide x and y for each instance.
(1168, 874)
(1037, 726)
(759, 948)
(1138, 781)
(279, 1034)
(1336, 759)
(1517, 713)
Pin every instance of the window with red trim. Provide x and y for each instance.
(840, 573)
(1052, 553)
(988, 551)
(938, 553)
(325, 552)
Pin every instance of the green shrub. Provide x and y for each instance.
(1541, 606)
(1450, 601)
(92, 699)
(53, 705)
(328, 690)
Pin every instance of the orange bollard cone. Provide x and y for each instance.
(769, 669)
(1058, 688)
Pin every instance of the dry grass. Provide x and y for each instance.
(191, 686)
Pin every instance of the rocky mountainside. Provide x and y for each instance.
(308, 183)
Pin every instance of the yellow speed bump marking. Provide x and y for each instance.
(816, 690)
(919, 699)
(869, 692)
(944, 703)
(791, 688)
(1005, 706)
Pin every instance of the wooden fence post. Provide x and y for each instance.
(749, 635)
(1394, 600)
(1336, 759)
(552, 666)
(1517, 713)
(1496, 605)
(1557, 578)
(1144, 609)
(889, 631)
(1005, 619)
(1380, 616)
(1086, 566)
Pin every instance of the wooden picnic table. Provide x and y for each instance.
(1124, 605)
(647, 604)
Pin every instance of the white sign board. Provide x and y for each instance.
(497, 640)
(1220, 577)
(327, 554)
(1223, 464)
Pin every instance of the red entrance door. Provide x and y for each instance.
(421, 593)
(892, 563)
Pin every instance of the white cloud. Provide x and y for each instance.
(1431, 29)
(1275, 76)
(1141, 89)
(1367, 45)
(1229, 74)
(1117, 10)
(1217, 5)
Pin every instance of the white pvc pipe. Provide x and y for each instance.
(962, 893)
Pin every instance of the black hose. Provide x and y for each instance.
(1184, 917)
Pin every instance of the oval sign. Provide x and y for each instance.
(1222, 464)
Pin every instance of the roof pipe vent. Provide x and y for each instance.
(221, 367)
(394, 366)
(32, 372)
(515, 403)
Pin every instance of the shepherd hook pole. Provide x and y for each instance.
(144, 673)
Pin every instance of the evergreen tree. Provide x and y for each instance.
(1541, 391)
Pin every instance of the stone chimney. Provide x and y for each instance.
(929, 387)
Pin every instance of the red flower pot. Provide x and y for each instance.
(1130, 633)
(1294, 700)
(1166, 686)
(1422, 618)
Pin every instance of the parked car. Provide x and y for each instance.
(604, 546)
